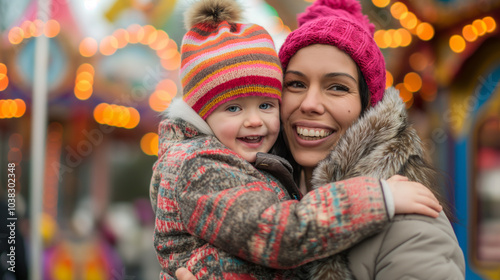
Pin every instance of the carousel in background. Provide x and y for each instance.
(444, 57)
(113, 67)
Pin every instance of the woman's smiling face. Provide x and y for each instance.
(321, 100)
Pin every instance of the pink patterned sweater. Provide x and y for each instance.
(223, 218)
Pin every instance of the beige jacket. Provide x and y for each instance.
(380, 144)
(410, 247)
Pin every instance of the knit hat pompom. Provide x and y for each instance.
(346, 8)
(212, 12)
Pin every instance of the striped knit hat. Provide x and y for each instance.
(222, 60)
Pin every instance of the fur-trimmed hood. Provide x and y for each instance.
(380, 144)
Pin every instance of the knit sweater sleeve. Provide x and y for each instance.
(242, 214)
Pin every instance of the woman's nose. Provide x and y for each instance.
(312, 102)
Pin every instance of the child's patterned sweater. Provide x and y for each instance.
(223, 218)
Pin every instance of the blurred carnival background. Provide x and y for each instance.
(82, 84)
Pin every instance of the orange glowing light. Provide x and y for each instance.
(149, 144)
(99, 112)
(172, 63)
(83, 94)
(4, 82)
(16, 35)
(405, 95)
(136, 33)
(122, 37)
(408, 20)
(396, 38)
(480, 26)
(25, 26)
(83, 85)
(135, 117)
(166, 53)
(36, 28)
(159, 100)
(161, 41)
(107, 114)
(413, 82)
(52, 28)
(405, 37)
(85, 76)
(150, 34)
(85, 67)
(3, 69)
(418, 61)
(457, 43)
(124, 117)
(491, 25)
(108, 45)
(379, 39)
(168, 86)
(88, 47)
(470, 33)
(389, 79)
(21, 108)
(425, 31)
(381, 3)
(398, 9)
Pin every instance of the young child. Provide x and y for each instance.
(223, 206)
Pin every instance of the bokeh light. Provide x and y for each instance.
(12, 108)
(425, 31)
(470, 33)
(381, 3)
(480, 26)
(413, 82)
(52, 28)
(418, 61)
(398, 9)
(16, 35)
(116, 115)
(149, 144)
(490, 23)
(457, 43)
(88, 47)
(389, 79)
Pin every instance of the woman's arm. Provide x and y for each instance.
(242, 214)
(413, 247)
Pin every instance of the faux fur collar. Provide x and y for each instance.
(180, 109)
(379, 144)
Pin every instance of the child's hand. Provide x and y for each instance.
(412, 197)
(184, 274)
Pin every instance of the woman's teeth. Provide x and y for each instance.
(322, 133)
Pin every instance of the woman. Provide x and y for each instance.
(333, 98)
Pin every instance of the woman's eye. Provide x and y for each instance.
(265, 106)
(295, 84)
(233, 109)
(339, 88)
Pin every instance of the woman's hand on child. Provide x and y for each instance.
(413, 198)
(184, 274)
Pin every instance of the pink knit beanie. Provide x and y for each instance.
(340, 23)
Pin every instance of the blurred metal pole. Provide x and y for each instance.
(38, 140)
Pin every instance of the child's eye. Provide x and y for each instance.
(265, 106)
(233, 108)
